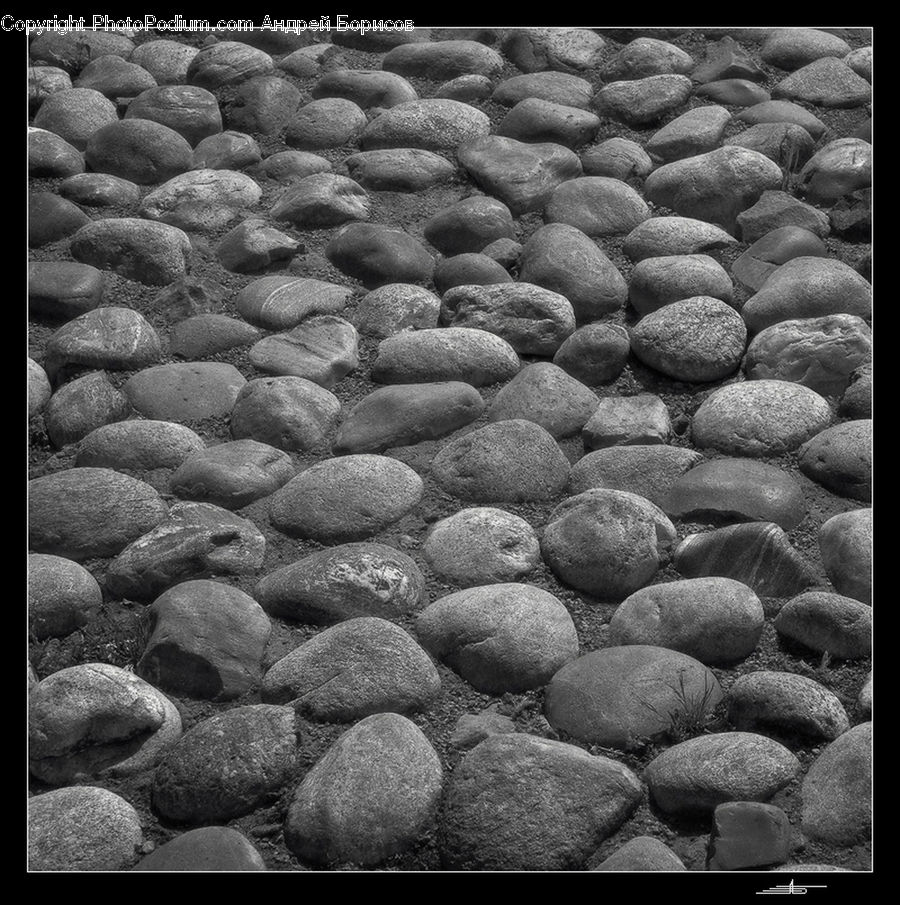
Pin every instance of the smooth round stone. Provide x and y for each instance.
(827, 82)
(717, 621)
(643, 853)
(696, 132)
(857, 400)
(469, 270)
(327, 123)
(399, 169)
(790, 48)
(469, 225)
(759, 418)
(376, 255)
(322, 200)
(505, 252)
(352, 670)
(523, 176)
(227, 765)
(481, 546)
(395, 308)
(448, 353)
(154, 254)
(739, 489)
(466, 88)
(82, 828)
(821, 621)
(437, 60)
(644, 57)
(207, 642)
(625, 697)
(373, 794)
(788, 145)
(208, 848)
(51, 218)
(641, 102)
(608, 543)
(656, 282)
(289, 413)
(97, 721)
(821, 353)
(138, 150)
(500, 638)
(845, 542)
(113, 77)
(520, 802)
(472, 728)
(434, 124)
(782, 703)
(226, 151)
(61, 596)
(39, 390)
(75, 115)
(840, 458)
(509, 461)
(100, 190)
(778, 111)
(837, 791)
(537, 120)
(860, 61)
(166, 61)
(185, 391)
(366, 88)
(808, 287)
(777, 209)
(227, 63)
(648, 471)
(138, 446)
(839, 168)
(307, 62)
(618, 420)
(692, 778)
(556, 87)
(44, 81)
(75, 49)
(597, 205)
(617, 158)
(668, 236)
(190, 111)
(277, 302)
(264, 104)
(762, 259)
(734, 92)
(346, 499)
(407, 414)
(81, 406)
(286, 166)
(206, 334)
(50, 155)
(344, 582)
(595, 353)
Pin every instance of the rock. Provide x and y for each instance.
(696, 132)
(376, 255)
(617, 158)
(113, 77)
(747, 835)
(857, 400)
(449, 353)
(787, 144)
(865, 696)
(190, 111)
(777, 209)
(75, 49)
(82, 828)
(518, 802)
(536, 120)
(373, 794)
(208, 848)
(139, 150)
(39, 390)
(851, 219)
(643, 853)
(227, 765)
(624, 697)
(286, 166)
(44, 81)
(695, 776)
(627, 420)
(471, 728)
(644, 57)
(606, 542)
(75, 115)
(735, 92)
(226, 151)
(785, 704)
(521, 175)
(166, 61)
(597, 205)
(505, 252)
(352, 670)
(509, 461)
(277, 302)
(50, 155)
(100, 190)
(327, 123)
(726, 59)
(757, 554)
(263, 104)
(466, 88)
(837, 169)
(642, 101)
(667, 236)
(808, 287)
(837, 791)
(845, 542)
(481, 546)
(840, 458)
(137, 446)
(595, 353)
(322, 200)
(61, 596)
(468, 270)
(81, 406)
(345, 499)
(206, 334)
(187, 296)
(51, 218)
(227, 63)
(437, 60)
(739, 489)
(185, 391)
(779, 111)
(433, 124)
(656, 282)
(96, 721)
(759, 418)
(860, 61)
(564, 49)
(155, 254)
(399, 169)
(407, 414)
(344, 582)
(556, 87)
(366, 88)
(790, 48)
(469, 225)
(196, 540)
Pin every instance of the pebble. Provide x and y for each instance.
(226, 151)
(556, 87)
(791, 48)
(696, 132)
(185, 391)
(208, 848)
(523, 176)
(748, 835)
(166, 61)
(50, 155)
(740, 489)
(734, 92)
(366, 88)
(344, 582)
(113, 77)
(840, 458)
(536, 120)
(138, 150)
(469, 225)
(470, 269)
(826, 82)
(726, 59)
(785, 704)
(758, 554)
(434, 124)
(39, 390)
(564, 49)
(625, 697)
(51, 218)
(505, 252)
(644, 57)
(228, 765)
(509, 461)
(608, 543)
(845, 542)
(777, 209)
(62, 596)
(407, 414)
(641, 102)
(154, 254)
(75, 115)
(438, 60)
(837, 791)
(264, 104)
(376, 255)
(352, 670)
(466, 88)
(780, 111)
(96, 721)
(595, 353)
(627, 420)
(597, 205)
(286, 166)
(857, 400)
(399, 169)
(372, 795)
(656, 282)
(279, 301)
(227, 63)
(448, 353)
(81, 406)
(472, 728)
(500, 638)
(643, 853)
(667, 236)
(43, 81)
(519, 802)
(346, 499)
(860, 61)
(717, 621)
(617, 158)
(207, 642)
(138, 445)
(838, 168)
(75, 49)
(481, 546)
(696, 776)
(82, 828)
(322, 200)
(252, 246)
(100, 190)
(190, 111)
(827, 622)
(395, 308)
(764, 256)
(326, 123)
(194, 541)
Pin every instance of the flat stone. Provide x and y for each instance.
(469, 225)
(777, 209)
(642, 102)
(826, 622)
(627, 420)
(51, 155)
(322, 200)
(62, 595)
(376, 255)
(433, 124)
(780, 111)
(191, 111)
(366, 88)
(644, 57)
(207, 334)
(840, 167)
(556, 87)
(597, 205)
(227, 63)
(845, 542)
(137, 445)
(438, 60)
(666, 236)
(51, 218)
(399, 169)
(536, 120)
(100, 190)
(139, 150)
(840, 458)
(75, 115)
(279, 301)
(208, 848)
(656, 282)
(185, 391)
(643, 853)
(696, 132)
(595, 353)
(790, 48)
(617, 158)
(747, 835)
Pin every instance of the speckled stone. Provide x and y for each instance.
(845, 542)
(840, 458)
(822, 621)
(627, 420)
